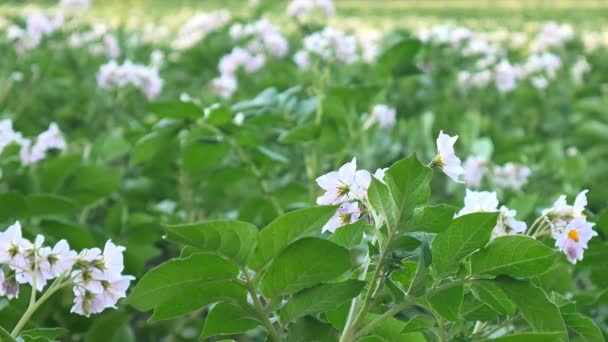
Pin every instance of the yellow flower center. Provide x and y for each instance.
(573, 235)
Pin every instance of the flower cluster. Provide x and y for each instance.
(382, 114)
(37, 26)
(31, 151)
(551, 35)
(487, 202)
(304, 8)
(569, 226)
(113, 76)
(347, 187)
(510, 176)
(199, 26)
(98, 41)
(329, 45)
(262, 38)
(96, 276)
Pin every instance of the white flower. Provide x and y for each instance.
(115, 289)
(474, 170)
(302, 59)
(301, 8)
(224, 86)
(347, 213)
(479, 201)
(574, 239)
(8, 286)
(198, 27)
(379, 174)
(58, 260)
(579, 69)
(114, 76)
(511, 176)
(343, 185)
(446, 159)
(507, 224)
(113, 262)
(561, 213)
(384, 115)
(539, 82)
(13, 246)
(30, 271)
(505, 76)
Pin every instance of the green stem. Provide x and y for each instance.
(257, 305)
(440, 326)
(31, 309)
(396, 309)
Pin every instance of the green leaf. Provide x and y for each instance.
(403, 276)
(179, 286)
(584, 327)
(233, 240)
(175, 109)
(418, 286)
(391, 330)
(476, 310)
(200, 157)
(48, 334)
(305, 263)
(228, 318)
(399, 59)
(448, 302)
(47, 205)
(308, 329)
(515, 255)
(149, 146)
(12, 206)
(466, 234)
(431, 219)
(108, 147)
(289, 228)
(218, 114)
(107, 327)
(91, 183)
(408, 181)
(78, 237)
(490, 294)
(272, 155)
(350, 235)
(383, 203)
(528, 337)
(320, 299)
(542, 314)
(419, 323)
(5, 336)
(300, 134)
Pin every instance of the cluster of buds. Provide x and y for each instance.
(95, 276)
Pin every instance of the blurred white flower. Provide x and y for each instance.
(198, 27)
(303, 8)
(511, 176)
(384, 115)
(474, 170)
